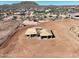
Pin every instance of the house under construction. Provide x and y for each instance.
(39, 32)
(31, 32)
(45, 33)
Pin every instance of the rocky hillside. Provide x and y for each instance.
(25, 4)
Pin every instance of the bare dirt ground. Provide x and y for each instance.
(65, 43)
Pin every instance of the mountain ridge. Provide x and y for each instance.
(31, 4)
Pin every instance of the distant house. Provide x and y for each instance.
(17, 13)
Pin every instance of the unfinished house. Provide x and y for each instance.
(31, 32)
(39, 32)
(45, 33)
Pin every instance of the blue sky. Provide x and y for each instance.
(58, 2)
(8, 2)
(45, 2)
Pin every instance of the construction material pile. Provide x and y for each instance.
(26, 22)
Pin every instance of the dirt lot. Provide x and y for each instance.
(65, 43)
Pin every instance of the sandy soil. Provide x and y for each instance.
(65, 43)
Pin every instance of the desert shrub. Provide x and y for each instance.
(14, 18)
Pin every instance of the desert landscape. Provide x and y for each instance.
(65, 43)
(51, 34)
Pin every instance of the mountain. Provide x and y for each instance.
(32, 4)
(24, 4)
